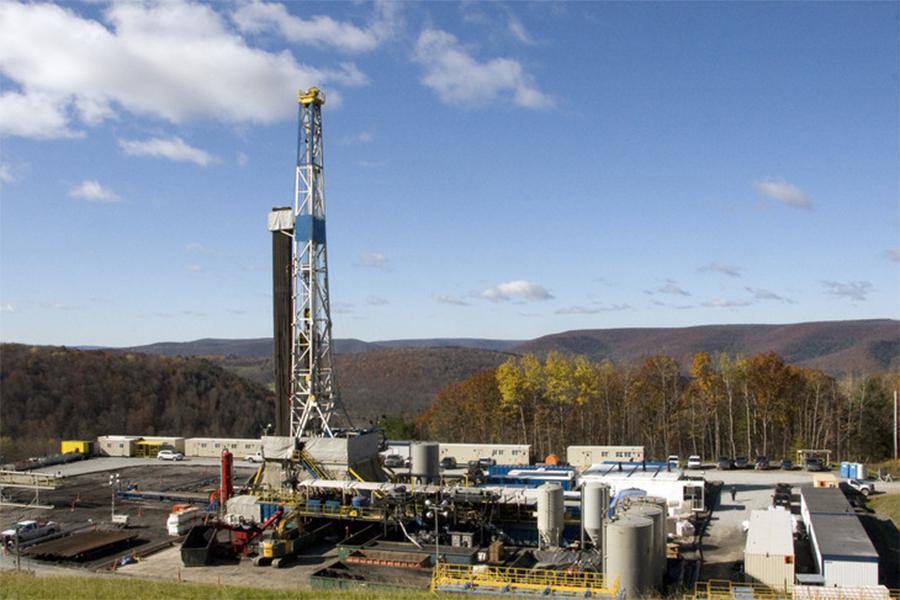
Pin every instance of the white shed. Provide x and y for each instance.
(769, 552)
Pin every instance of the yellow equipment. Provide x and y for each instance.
(75, 447)
(312, 95)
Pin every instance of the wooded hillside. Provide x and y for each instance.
(51, 393)
(728, 406)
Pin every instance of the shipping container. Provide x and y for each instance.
(76, 447)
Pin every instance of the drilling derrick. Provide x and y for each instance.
(313, 393)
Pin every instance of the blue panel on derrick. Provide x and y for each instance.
(308, 227)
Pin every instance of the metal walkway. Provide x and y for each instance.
(512, 581)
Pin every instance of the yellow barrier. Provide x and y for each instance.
(446, 577)
(717, 589)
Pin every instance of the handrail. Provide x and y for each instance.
(507, 578)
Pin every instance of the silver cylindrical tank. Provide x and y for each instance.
(629, 539)
(550, 515)
(594, 505)
(424, 461)
(658, 549)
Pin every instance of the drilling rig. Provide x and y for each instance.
(307, 398)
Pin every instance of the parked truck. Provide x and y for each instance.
(29, 530)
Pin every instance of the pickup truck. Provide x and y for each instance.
(29, 530)
(863, 487)
(254, 458)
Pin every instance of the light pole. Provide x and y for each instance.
(437, 511)
(18, 550)
(113, 486)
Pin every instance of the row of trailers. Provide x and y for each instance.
(503, 454)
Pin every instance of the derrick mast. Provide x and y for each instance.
(313, 392)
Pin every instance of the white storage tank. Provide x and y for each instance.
(550, 515)
(594, 506)
(658, 550)
(629, 539)
(424, 461)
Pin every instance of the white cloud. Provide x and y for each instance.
(265, 17)
(725, 269)
(854, 290)
(671, 287)
(372, 164)
(341, 308)
(376, 260)
(173, 148)
(33, 115)
(363, 137)
(519, 290)
(7, 308)
(763, 294)
(172, 59)
(727, 303)
(198, 248)
(591, 310)
(675, 306)
(92, 191)
(377, 301)
(893, 254)
(55, 306)
(459, 79)
(517, 29)
(784, 192)
(242, 159)
(10, 173)
(448, 299)
(193, 268)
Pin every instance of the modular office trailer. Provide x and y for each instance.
(585, 456)
(502, 454)
(769, 552)
(842, 549)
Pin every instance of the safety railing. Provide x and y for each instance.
(730, 590)
(468, 578)
(314, 468)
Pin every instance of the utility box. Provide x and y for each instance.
(825, 480)
(462, 539)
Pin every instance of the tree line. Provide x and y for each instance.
(724, 406)
(53, 393)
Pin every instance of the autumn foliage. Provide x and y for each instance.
(723, 406)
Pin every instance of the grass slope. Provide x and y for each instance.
(25, 586)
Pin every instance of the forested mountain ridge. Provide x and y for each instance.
(51, 393)
(835, 347)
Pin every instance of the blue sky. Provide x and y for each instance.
(500, 170)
